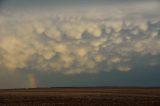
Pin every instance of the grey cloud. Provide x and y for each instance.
(84, 43)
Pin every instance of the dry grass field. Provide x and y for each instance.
(81, 97)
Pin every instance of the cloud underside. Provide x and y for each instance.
(74, 44)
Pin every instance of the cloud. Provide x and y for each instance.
(39, 28)
(124, 68)
(99, 42)
(53, 33)
(115, 59)
(94, 30)
(60, 48)
(15, 53)
(74, 31)
(81, 52)
(99, 58)
(116, 25)
(74, 44)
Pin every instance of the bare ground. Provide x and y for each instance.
(81, 97)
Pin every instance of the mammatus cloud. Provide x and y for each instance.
(73, 44)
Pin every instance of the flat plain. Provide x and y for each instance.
(91, 96)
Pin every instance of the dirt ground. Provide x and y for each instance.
(81, 97)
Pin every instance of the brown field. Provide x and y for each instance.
(81, 97)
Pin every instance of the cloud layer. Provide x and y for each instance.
(73, 43)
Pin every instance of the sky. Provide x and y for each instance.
(75, 43)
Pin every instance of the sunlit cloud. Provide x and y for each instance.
(74, 43)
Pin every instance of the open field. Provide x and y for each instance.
(81, 97)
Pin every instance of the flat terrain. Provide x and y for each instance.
(81, 97)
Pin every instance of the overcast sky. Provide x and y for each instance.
(48, 43)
